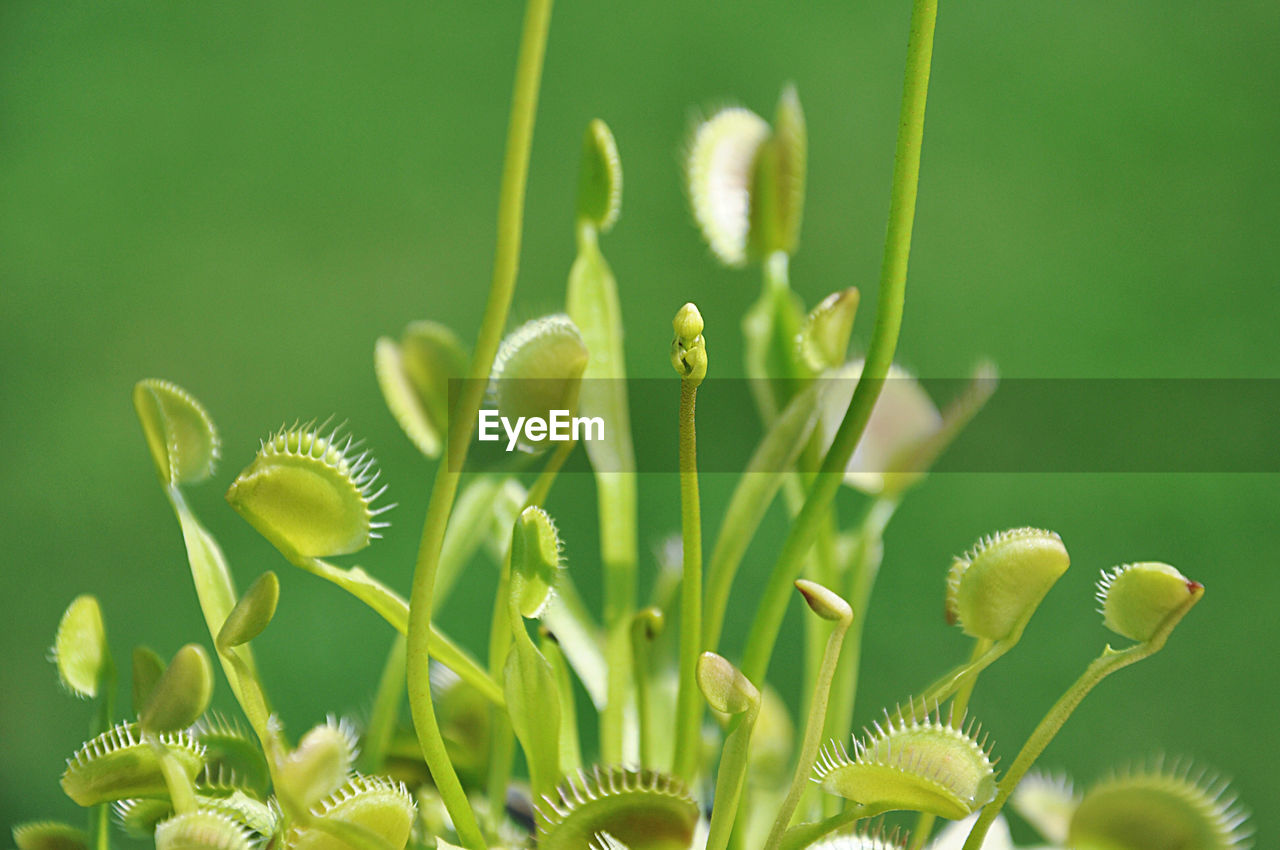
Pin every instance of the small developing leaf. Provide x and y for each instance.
(642, 809)
(202, 830)
(1157, 808)
(372, 803)
(827, 604)
(181, 694)
(252, 613)
(49, 835)
(777, 203)
(824, 336)
(915, 765)
(179, 432)
(995, 587)
(309, 494)
(535, 561)
(725, 688)
(599, 178)
(538, 369)
(80, 647)
(1138, 599)
(414, 376)
(118, 764)
(319, 765)
(720, 171)
(148, 667)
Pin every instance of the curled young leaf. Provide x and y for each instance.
(1137, 600)
(179, 432)
(252, 613)
(309, 494)
(826, 603)
(724, 687)
(995, 587)
(181, 694)
(80, 647)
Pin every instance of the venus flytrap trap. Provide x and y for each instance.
(658, 778)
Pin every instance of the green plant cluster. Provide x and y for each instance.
(694, 750)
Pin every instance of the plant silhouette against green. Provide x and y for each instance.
(665, 773)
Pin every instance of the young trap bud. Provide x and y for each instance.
(600, 178)
(642, 809)
(995, 587)
(538, 369)
(202, 830)
(916, 765)
(80, 647)
(1156, 808)
(119, 764)
(179, 432)
(688, 348)
(824, 336)
(309, 494)
(49, 835)
(1136, 600)
(414, 376)
(319, 765)
(373, 803)
(724, 687)
(252, 613)
(746, 181)
(182, 692)
(826, 603)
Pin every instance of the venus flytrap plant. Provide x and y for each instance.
(194, 781)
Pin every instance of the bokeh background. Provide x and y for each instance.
(242, 196)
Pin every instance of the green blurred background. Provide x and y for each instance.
(242, 196)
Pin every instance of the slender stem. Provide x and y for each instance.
(731, 777)
(812, 731)
(641, 643)
(461, 426)
(689, 699)
(884, 341)
(570, 746)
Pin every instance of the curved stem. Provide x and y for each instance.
(812, 732)
(689, 699)
(515, 171)
(884, 341)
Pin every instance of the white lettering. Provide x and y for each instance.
(559, 427)
(488, 419)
